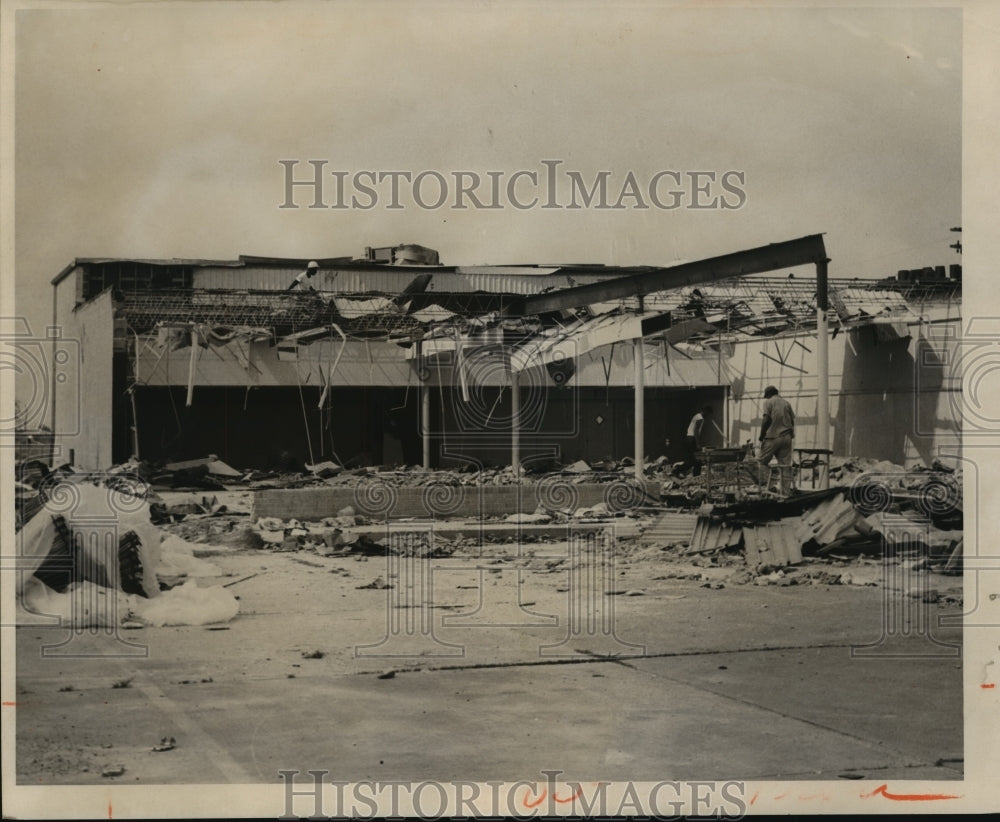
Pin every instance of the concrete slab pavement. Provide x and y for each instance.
(744, 682)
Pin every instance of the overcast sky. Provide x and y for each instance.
(156, 131)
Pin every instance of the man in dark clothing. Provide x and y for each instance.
(776, 433)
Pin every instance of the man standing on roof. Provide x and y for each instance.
(776, 433)
(305, 278)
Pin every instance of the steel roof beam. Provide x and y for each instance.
(753, 261)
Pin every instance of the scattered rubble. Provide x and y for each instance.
(324, 470)
(876, 511)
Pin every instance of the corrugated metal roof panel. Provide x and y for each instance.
(555, 345)
(670, 528)
(773, 543)
(828, 520)
(855, 302)
(712, 535)
(350, 281)
(506, 270)
(503, 280)
(255, 279)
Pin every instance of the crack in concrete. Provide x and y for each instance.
(593, 657)
(618, 658)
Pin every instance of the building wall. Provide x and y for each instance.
(890, 399)
(83, 400)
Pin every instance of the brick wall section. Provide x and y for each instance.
(446, 501)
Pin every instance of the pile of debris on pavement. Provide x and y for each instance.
(875, 511)
(209, 473)
(911, 517)
(330, 536)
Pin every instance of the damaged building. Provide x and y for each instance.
(366, 461)
(394, 358)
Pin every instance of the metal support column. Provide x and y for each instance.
(822, 368)
(425, 405)
(135, 424)
(191, 367)
(515, 422)
(640, 417)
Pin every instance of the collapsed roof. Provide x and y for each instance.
(387, 296)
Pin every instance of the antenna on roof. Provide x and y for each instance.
(957, 245)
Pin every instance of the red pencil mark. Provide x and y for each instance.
(541, 799)
(109, 809)
(575, 795)
(883, 790)
(754, 797)
(10, 704)
(988, 685)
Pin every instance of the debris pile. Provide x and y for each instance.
(877, 511)
(913, 517)
(329, 536)
(210, 474)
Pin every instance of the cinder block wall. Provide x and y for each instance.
(440, 501)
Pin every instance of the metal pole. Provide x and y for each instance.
(135, 424)
(425, 405)
(191, 365)
(640, 420)
(823, 368)
(515, 422)
(53, 423)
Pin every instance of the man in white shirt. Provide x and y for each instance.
(305, 278)
(693, 442)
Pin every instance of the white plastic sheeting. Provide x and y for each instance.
(87, 605)
(82, 605)
(98, 517)
(35, 540)
(188, 604)
(177, 559)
